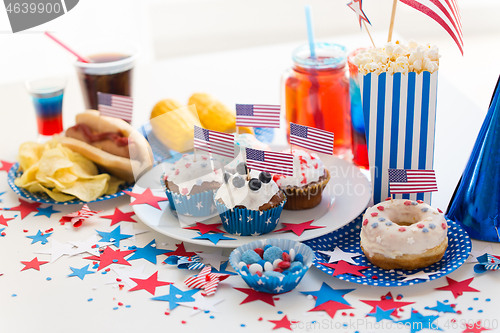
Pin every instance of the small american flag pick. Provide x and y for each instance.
(214, 142)
(206, 280)
(357, 7)
(78, 217)
(311, 138)
(258, 115)
(280, 163)
(115, 106)
(412, 181)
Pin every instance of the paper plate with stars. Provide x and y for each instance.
(364, 272)
(14, 173)
(344, 198)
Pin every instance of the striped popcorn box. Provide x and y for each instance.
(400, 115)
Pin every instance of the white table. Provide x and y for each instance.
(243, 76)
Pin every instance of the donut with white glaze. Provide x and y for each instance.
(403, 234)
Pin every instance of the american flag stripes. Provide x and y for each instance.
(206, 280)
(311, 138)
(258, 115)
(280, 163)
(78, 217)
(214, 142)
(412, 181)
(115, 106)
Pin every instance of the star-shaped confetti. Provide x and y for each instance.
(119, 216)
(327, 293)
(206, 280)
(331, 307)
(214, 238)
(357, 7)
(343, 267)
(78, 217)
(282, 323)
(299, 228)
(175, 296)
(206, 228)
(125, 275)
(148, 252)
(4, 220)
(110, 256)
(24, 207)
(146, 197)
(150, 284)
(474, 254)
(202, 303)
(129, 229)
(81, 272)
(91, 246)
(6, 166)
(47, 211)
(386, 303)
(253, 295)
(213, 259)
(338, 255)
(40, 237)
(380, 314)
(477, 327)
(458, 287)
(180, 251)
(441, 307)
(418, 322)
(35, 264)
(419, 275)
(2, 193)
(223, 269)
(57, 250)
(114, 236)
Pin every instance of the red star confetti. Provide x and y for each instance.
(206, 280)
(331, 307)
(477, 327)
(386, 303)
(343, 267)
(299, 228)
(110, 256)
(78, 217)
(25, 207)
(146, 197)
(206, 228)
(119, 216)
(6, 166)
(180, 251)
(458, 287)
(253, 295)
(282, 323)
(4, 220)
(35, 264)
(150, 284)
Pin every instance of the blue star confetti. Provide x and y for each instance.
(47, 211)
(380, 314)
(214, 238)
(223, 269)
(148, 252)
(114, 236)
(327, 293)
(80, 272)
(1, 193)
(418, 322)
(176, 295)
(441, 307)
(40, 237)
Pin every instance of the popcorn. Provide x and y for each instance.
(398, 58)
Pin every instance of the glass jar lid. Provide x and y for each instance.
(328, 55)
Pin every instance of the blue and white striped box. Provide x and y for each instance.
(400, 116)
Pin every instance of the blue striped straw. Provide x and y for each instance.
(310, 33)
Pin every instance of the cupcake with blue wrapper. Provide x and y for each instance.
(190, 185)
(249, 203)
(272, 266)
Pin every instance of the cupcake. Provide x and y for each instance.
(249, 207)
(190, 185)
(304, 190)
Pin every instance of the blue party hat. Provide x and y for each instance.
(476, 201)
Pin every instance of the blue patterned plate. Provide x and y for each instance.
(14, 172)
(347, 239)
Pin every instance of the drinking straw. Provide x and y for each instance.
(80, 58)
(310, 33)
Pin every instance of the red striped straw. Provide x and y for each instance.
(80, 58)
